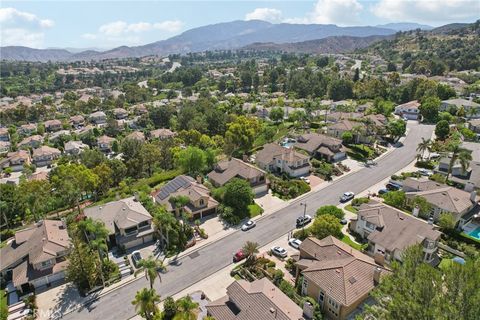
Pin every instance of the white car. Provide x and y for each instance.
(279, 252)
(305, 179)
(295, 243)
(347, 196)
(248, 225)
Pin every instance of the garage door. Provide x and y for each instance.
(133, 243)
(57, 276)
(40, 282)
(260, 189)
(148, 238)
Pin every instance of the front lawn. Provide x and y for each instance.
(346, 239)
(445, 264)
(254, 210)
(351, 208)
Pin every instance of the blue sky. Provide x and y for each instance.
(107, 24)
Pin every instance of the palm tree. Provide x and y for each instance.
(250, 249)
(145, 303)
(464, 156)
(187, 307)
(423, 146)
(152, 268)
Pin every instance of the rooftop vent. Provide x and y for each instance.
(352, 280)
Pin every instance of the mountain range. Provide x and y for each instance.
(227, 35)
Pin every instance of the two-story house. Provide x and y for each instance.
(27, 129)
(98, 118)
(77, 121)
(75, 147)
(104, 143)
(4, 135)
(45, 155)
(472, 109)
(128, 222)
(357, 128)
(53, 125)
(120, 113)
(409, 110)
(36, 256)
(321, 146)
(34, 141)
(226, 170)
(200, 203)
(390, 231)
(162, 134)
(337, 276)
(275, 158)
(4, 147)
(16, 160)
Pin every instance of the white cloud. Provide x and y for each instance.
(265, 14)
(427, 11)
(20, 28)
(341, 12)
(14, 16)
(123, 33)
(20, 37)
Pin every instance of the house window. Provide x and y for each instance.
(202, 202)
(131, 230)
(261, 178)
(304, 286)
(46, 263)
(278, 161)
(370, 226)
(143, 224)
(321, 297)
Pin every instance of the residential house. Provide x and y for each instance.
(98, 118)
(4, 147)
(128, 223)
(259, 299)
(357, 128)
(136, 135)
(53, 125)
(45, 155)
(34, 141)
(57, 135)
(472, 109)
(105, 143)
(409, 110)
(338, 116)
(420, 184)
(140, 109)
(319, 145)
(200, 202)
(27, 129)
(226, 170)
(162, 134)
(474, 125)
(37, 255)
(448, 199)
(390, 231)
(120, 113)
(275, 158)
(337, 276)
(77, 121)
(75, 147)
(4, 135)
(16, 160)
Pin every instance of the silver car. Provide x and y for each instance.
(279, 252)
(295, 243)
(248, 225)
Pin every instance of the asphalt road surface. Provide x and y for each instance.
(213, 257)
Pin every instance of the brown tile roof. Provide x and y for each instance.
(396, 229)
(310, 142)
(136, 135)
(342, 272)
(105, 140)
(448, 198)
(260, 299)
(346, 125)
(421, 184)
(53, 122)
(46, 150)
(40, 242)
(228, 169)
(124, 213)
(162, 133)
(273, 151)
(28, 140)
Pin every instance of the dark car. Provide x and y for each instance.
(136, 257)
(393, 187)
(301, 221)
(383, 191)
(344, 221)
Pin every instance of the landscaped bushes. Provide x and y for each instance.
(288, 189)
(359, 201)
(430, 165)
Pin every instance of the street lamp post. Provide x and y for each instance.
(304, 204)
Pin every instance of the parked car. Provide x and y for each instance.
(344, 221)
(347, 196)
(392, 187)
(238, 256)
(383, 191)
(305, 179)
(279, 252)
(295, 243)
(425, 172)
(301, 221)
(248, 225)
(136, 257)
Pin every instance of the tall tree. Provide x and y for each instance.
(424, 145)
(460, 154)
(250, 249)
(326, 225)
(146, 303)
(152, 268)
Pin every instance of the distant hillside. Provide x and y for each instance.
(337, 44)
(404, 26)
(451, 47)
(228, 35)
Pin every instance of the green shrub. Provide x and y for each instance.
(359, 201)
(430, 165)
(330, 209)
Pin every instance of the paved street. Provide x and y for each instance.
(211, 258)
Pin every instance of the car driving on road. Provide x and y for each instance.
(248, 225)
(303, 220)
(294, 243)
(279, 252)
(238, 256)
(347, 196)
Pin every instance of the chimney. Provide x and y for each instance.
(469, 187)
(136, 197)
(245, 158)
(273, 311)
(308, 310)
(376, 275)
(473, 196)
(416, 211)
(199, 179)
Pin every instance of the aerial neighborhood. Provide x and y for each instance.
(259, 182)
